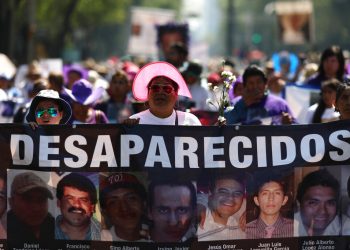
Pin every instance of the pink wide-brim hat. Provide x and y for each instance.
(152, 70)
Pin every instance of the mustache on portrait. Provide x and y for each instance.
(76, 209)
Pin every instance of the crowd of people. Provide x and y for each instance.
(113, 94)
(172, 92)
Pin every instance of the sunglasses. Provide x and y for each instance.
(53, 112)
(166, 88)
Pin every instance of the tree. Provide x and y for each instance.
(96, 28)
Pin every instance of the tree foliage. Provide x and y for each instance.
(94, 27)
(100, 28)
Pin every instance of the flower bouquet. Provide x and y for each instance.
(221, 98)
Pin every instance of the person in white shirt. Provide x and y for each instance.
(227, 206)
(160, 83)
(192, 75)
(324, 110)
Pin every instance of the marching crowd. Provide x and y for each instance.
(174, 92)
(122, 91)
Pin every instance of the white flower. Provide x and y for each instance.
(229, 108)
(232, 78)
(222, 100)
(210, 85)
(226, 74)
(221, 119)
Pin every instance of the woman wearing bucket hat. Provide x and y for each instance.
(48, 108)
(160, 83)
(84, 97)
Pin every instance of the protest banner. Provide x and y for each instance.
(156, 187)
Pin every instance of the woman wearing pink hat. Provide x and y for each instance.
(159, 84)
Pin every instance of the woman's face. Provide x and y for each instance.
(329, 96)
(47, 113)
(331, 66)
(161, 95)
(80, 111)
(343, 104)
(118, 87)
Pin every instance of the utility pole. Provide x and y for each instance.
(12, 30)
(230, 17)
(31, 30)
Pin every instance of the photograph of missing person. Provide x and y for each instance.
(29, 216)
(345, 200)
(317, 198)
(172, 209)
(224, 206)
(270, 204)
(76, 216)
(123, 201)
(3, 204)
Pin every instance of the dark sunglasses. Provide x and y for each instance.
(166, 88)
(53, 112)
